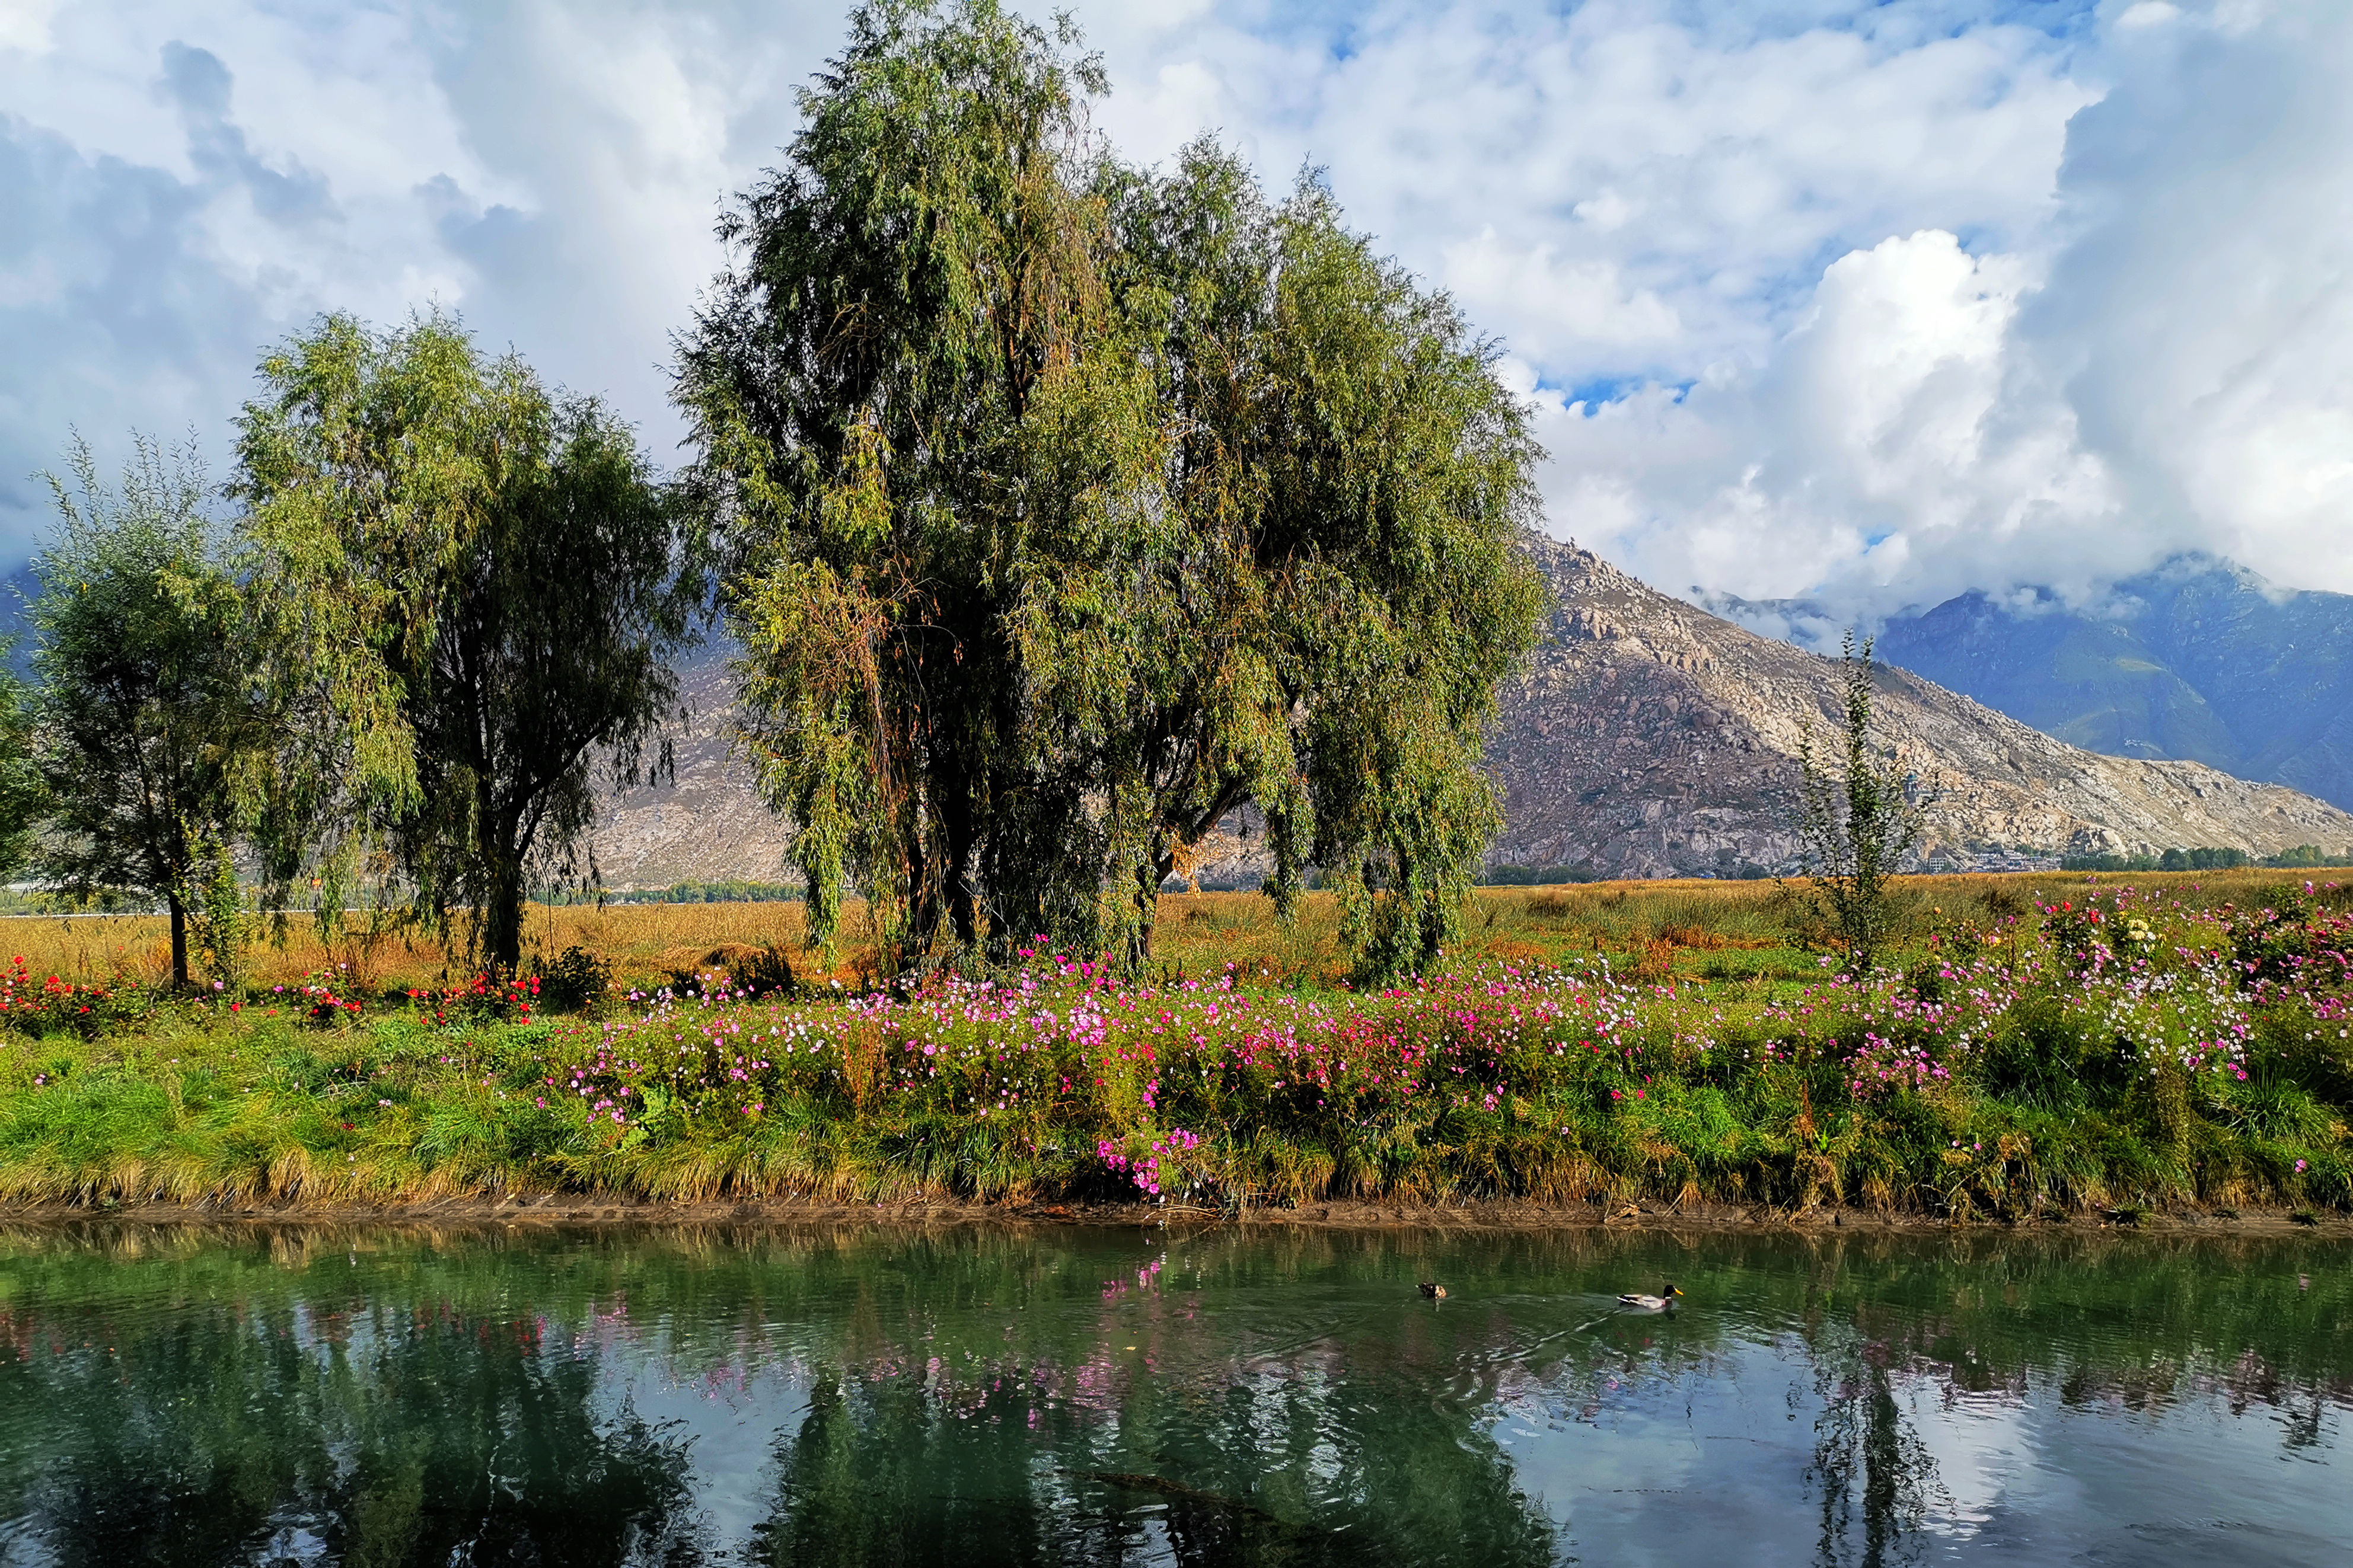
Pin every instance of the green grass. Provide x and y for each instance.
(1598, 1042)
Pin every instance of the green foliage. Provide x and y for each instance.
(478, 587)
(40, 1005)
(1856, 823)
(219, 924)
(2305, 856)
(22, 797)
(150, 734)
(1071, 507)
(576, 980)
(2204, 859)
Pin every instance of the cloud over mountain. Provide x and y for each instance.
(2158, 366)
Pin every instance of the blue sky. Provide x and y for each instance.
(1874, 302)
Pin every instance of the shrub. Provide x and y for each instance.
(578, 981)
(325, 1000)
(482, 1000)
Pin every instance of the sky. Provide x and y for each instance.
(1870, 303)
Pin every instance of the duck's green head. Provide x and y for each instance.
(1671, 1290)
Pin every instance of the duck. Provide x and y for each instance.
(1434, 1290)
(1650, 1303)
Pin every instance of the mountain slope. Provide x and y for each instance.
(1647, 737)
(1643, 738)
(2200, 659)
(707, 824)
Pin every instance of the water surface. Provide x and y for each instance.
(1139, 1397)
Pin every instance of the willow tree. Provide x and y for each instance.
(1072, 508)
(477, 586)
(862, 388)
(148, 730)
(1346, 482)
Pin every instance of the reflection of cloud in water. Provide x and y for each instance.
(1699, 1461)
(728, 1428)
(1979, 1445)
(2182, 1484)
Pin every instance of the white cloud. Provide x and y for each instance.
(2166, 365)
(1571, 311)
(2202, 311)
(1694, 167)
(1888, 437)
(188, 182)
(1879, 300)
(25, 24)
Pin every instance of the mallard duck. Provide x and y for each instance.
(1650, 1303)
(1434, 1290)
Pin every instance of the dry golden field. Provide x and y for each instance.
(643, 941)
(1722, 930)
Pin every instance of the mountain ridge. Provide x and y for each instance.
(2199, 659)
(1643, 737)
(1647, 736)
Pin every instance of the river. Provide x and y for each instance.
(982, 1396)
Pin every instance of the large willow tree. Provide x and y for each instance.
(1073, 507)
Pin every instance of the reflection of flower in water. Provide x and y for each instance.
(1146, 1278)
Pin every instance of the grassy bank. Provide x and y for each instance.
(2140, 1048)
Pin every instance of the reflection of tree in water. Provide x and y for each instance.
(222, 1435)
(1299, 1472)
(1868, 1462)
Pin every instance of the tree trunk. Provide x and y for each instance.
(1148, 878)
(963, 912)
(502, 913)
(179, 941)
(922, 916)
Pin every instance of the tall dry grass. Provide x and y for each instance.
(643, 941)
(1719, 930)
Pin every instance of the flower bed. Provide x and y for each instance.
(2109, 1050)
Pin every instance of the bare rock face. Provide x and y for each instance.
(709, 823)
(1643, 738)
(1648, 738)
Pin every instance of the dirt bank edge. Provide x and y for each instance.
(589, 1209)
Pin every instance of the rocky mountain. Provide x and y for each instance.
(1647, 737)
(1644, 738)
(708, 822)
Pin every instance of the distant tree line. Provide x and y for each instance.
(724, 891)
(2206, 860)
(1508, 876)
(1060, 506)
